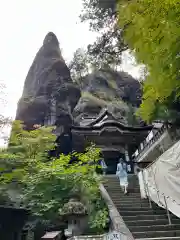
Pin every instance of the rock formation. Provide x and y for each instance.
(117, 91)
(51, 98)
(49, 95)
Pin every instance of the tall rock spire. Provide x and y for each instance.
(49, 95)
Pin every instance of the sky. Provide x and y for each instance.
(23, 26)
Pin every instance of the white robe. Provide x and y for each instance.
(122, 174)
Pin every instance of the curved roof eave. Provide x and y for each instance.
(112, 123)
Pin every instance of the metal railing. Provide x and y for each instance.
(147, 144)
(158, 193)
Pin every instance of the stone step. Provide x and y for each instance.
(159, 238)
(116, 180)
(140, 208)
(111, 183)
(114, 191)
(154, 228)
(144, 222)
(147, 217)
(151, 222)
(119, 188)
(128, 204)
(132, 208)
(136, 205)
(122, 200)
(137, 213)
(111, 176)
(117, 185)
(116, 188)
(125, 197)
(129, 201)
(122, 195)
(147, 209)
(153, 234)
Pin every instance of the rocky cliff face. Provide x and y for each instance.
(51, 98)
(116, 91)
(49, 95)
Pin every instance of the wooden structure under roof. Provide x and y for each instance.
(114, 138)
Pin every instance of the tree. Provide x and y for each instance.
(102, 18)
(79, 65)
(151, 30)
(100, 13)
(44, 184)
(5, 122)
(132, 119)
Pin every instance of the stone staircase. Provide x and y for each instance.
(96, 237)
(143, 222)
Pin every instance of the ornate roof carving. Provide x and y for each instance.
(107, 119)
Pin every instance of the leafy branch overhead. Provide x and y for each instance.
(152, 32)
(102, 18)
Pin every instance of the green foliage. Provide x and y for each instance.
(151, 30)
(79, 65)
(45, 184)
(99, 12)
(113, 84)
(5, 122)
(96, 219)
(94, 100)
(101, 16)
(100, 98)
(132, 119)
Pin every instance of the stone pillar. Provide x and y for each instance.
(129, 163)
(142, 184)
(126, 154)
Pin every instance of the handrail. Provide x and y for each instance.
(163, 194)
(149, 143)
(163, 150)
(158, 192)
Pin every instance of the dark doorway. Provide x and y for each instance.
(111, 165)
(111, 159)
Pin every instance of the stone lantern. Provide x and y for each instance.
(76, 214)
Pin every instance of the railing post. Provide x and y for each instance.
(150, 204)
(167, 211)
(156, 186)
(147, 190)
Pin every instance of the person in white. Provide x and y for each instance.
(121, 173)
